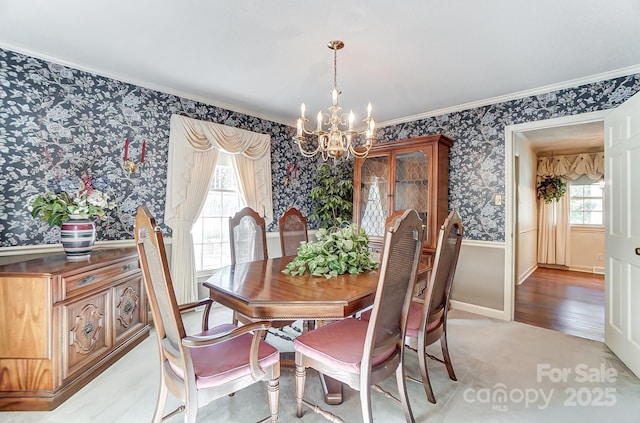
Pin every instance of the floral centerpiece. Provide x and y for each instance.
(551, 188)
(82, 196)
(338, 251)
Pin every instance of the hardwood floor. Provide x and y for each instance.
(562, 300)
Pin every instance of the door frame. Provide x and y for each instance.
(510, 132)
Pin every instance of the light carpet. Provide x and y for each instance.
(507, 372)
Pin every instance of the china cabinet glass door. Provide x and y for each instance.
(374, 198)
(412, 182)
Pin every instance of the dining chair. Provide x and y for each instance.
(248, 240)
(292, 226)
(199, 368)
(363, 353)
(427, 322)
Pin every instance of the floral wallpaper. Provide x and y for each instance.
(477, 157)
(57, 122)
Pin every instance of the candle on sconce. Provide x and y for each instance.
(126, 149)
(319, 120)
(144, 145)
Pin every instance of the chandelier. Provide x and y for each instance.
(335, 142)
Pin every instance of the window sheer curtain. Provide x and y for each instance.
(554, 246)
(193, 153)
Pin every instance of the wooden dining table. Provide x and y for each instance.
(261, 291)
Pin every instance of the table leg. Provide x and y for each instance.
(332, 390)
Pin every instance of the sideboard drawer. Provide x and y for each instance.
(87, 281)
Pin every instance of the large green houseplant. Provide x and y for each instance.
(333, 195)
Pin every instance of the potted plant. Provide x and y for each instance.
(333, 195)
(551, 188)
(71, 205)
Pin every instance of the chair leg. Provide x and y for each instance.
(365, 403)
(161, 403)
(273, 390)
(402, 390)
(301, 375)
(424, 372)
(445, 355)
(191, 410)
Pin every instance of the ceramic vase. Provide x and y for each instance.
(78, 235)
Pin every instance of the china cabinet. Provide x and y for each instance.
(63, 322)
(406, 174)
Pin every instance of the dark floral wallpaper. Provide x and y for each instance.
(477, 157)
(57, 121)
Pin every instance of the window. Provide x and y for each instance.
(211, 231)
(587, 202)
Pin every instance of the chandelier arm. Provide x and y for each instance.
(334, 142)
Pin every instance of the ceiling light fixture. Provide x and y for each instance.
(334, 142)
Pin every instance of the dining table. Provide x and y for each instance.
(261, 291)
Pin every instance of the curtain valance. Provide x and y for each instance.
(573, 166)
(188, 135)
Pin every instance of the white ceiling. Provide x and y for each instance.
(410, 58)
(585, 137)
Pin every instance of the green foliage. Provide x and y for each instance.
(52, 208)
(551, 188)
(344, 250)
(73, 196)
(333, 195)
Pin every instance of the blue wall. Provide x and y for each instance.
(55, 120)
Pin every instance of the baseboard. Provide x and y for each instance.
(588, 269)
(527, 273)
(481, 310)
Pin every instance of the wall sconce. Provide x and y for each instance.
(131, 166)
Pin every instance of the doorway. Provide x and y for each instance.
(539, 137)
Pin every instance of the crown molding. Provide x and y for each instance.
(234, 108)
(630, 70)
(140, 83)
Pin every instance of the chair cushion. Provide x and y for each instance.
(413, 322)
(218, 364)
(340, 344)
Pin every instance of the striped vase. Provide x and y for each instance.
(77, 236)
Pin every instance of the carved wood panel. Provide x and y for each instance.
(128, 310)
(87, 331)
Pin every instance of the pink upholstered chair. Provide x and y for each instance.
(292, 226)
(214, 363)
(428, 320)
(361, 353)
(248, 240)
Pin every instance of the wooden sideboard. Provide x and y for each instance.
(62, 323)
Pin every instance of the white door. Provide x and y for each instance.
(622, 274)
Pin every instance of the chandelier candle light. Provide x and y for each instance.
(131, 166)
(334, 142)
